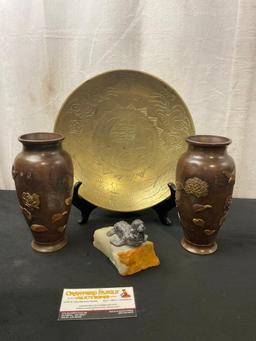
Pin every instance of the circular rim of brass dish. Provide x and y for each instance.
(136, 79)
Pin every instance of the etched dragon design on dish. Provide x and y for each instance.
(125, 131)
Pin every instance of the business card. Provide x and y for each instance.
(97, 303)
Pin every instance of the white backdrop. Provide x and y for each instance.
(206, 49)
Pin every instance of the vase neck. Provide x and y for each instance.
(41, 141)
(208, 143)
(220, 150)
(41, 146)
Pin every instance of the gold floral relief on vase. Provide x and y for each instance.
(31, 200)
(197, 187)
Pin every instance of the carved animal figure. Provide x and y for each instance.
(132, 235)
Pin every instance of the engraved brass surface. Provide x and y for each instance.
(125, 131)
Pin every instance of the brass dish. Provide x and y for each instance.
(125, 131)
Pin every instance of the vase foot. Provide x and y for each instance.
(48, 248)
(199, 249)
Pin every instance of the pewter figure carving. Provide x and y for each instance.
(126, 234)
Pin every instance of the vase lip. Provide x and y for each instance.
(208, 140)
(41, 138)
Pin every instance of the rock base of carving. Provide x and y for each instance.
(127, 259)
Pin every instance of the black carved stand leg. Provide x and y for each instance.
(162, 209)
(83, 205)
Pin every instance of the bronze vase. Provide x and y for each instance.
(205, 177)
(43, 175)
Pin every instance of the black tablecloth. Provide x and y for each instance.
(187, 297)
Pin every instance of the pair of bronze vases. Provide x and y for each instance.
(43, 175)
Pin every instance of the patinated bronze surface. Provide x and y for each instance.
(205, 177)
(125, 131)
(43, 175)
